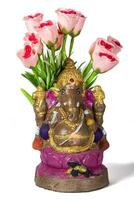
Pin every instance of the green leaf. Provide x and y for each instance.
(81, 65)
(41, 68)
(48, 56)
(40, 73)
(48, 78)
(91, 78)
(45, 61)
(28, 96)
(52, 80)
(58, 60)
(39, 78)
(29, 76)
(35, 71)
(49, 61)
(53, 58)
(87, 69)
(88, 75)
(58, 64)
(92, 82)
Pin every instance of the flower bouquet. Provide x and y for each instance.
(68, 106)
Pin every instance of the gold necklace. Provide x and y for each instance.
(68, 122)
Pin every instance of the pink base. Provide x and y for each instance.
(55, 163)
(44, 170)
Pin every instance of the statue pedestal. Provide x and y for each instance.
(52, 174)
(71, 184)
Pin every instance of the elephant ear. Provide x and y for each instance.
(51, 98)
(88, 99)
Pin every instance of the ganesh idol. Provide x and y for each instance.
(71, 137)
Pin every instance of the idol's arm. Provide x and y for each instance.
(52, 117)
(98, 106)
(39, 106)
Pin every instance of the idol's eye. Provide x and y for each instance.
(62, 92)
(78, 91)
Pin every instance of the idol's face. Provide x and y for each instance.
(70, 98)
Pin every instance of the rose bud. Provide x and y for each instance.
(48, 33)
(59, 41)
(31, 21)
(67, 19)
(28, 56)
(102, 44)
(116, 43)
(103, 61)
(34, 41)
(79, 25)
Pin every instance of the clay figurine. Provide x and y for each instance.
(69, 108)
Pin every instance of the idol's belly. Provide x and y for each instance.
(64, 137)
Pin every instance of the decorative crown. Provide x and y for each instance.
(69, 75)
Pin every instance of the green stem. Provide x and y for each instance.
(71, 46)
(63, 50)
(91, 77)
(48, 78)
(41, 70)
(43, 55)
(53, 57)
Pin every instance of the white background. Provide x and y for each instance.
(17, 126)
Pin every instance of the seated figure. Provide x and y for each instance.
(71, 137)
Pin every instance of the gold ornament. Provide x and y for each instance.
(71, 149)
(72, 136)
(80, 168)
(90, 122)
(99, 94)
(39, 94)
(71, 124)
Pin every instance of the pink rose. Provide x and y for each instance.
(28, 56)
(31, 21)
(48, 33)
(34, 41)
(103, 44)
(116, 43)
(59, 41)
(79, 25)
(104, 60)
(67, 19)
